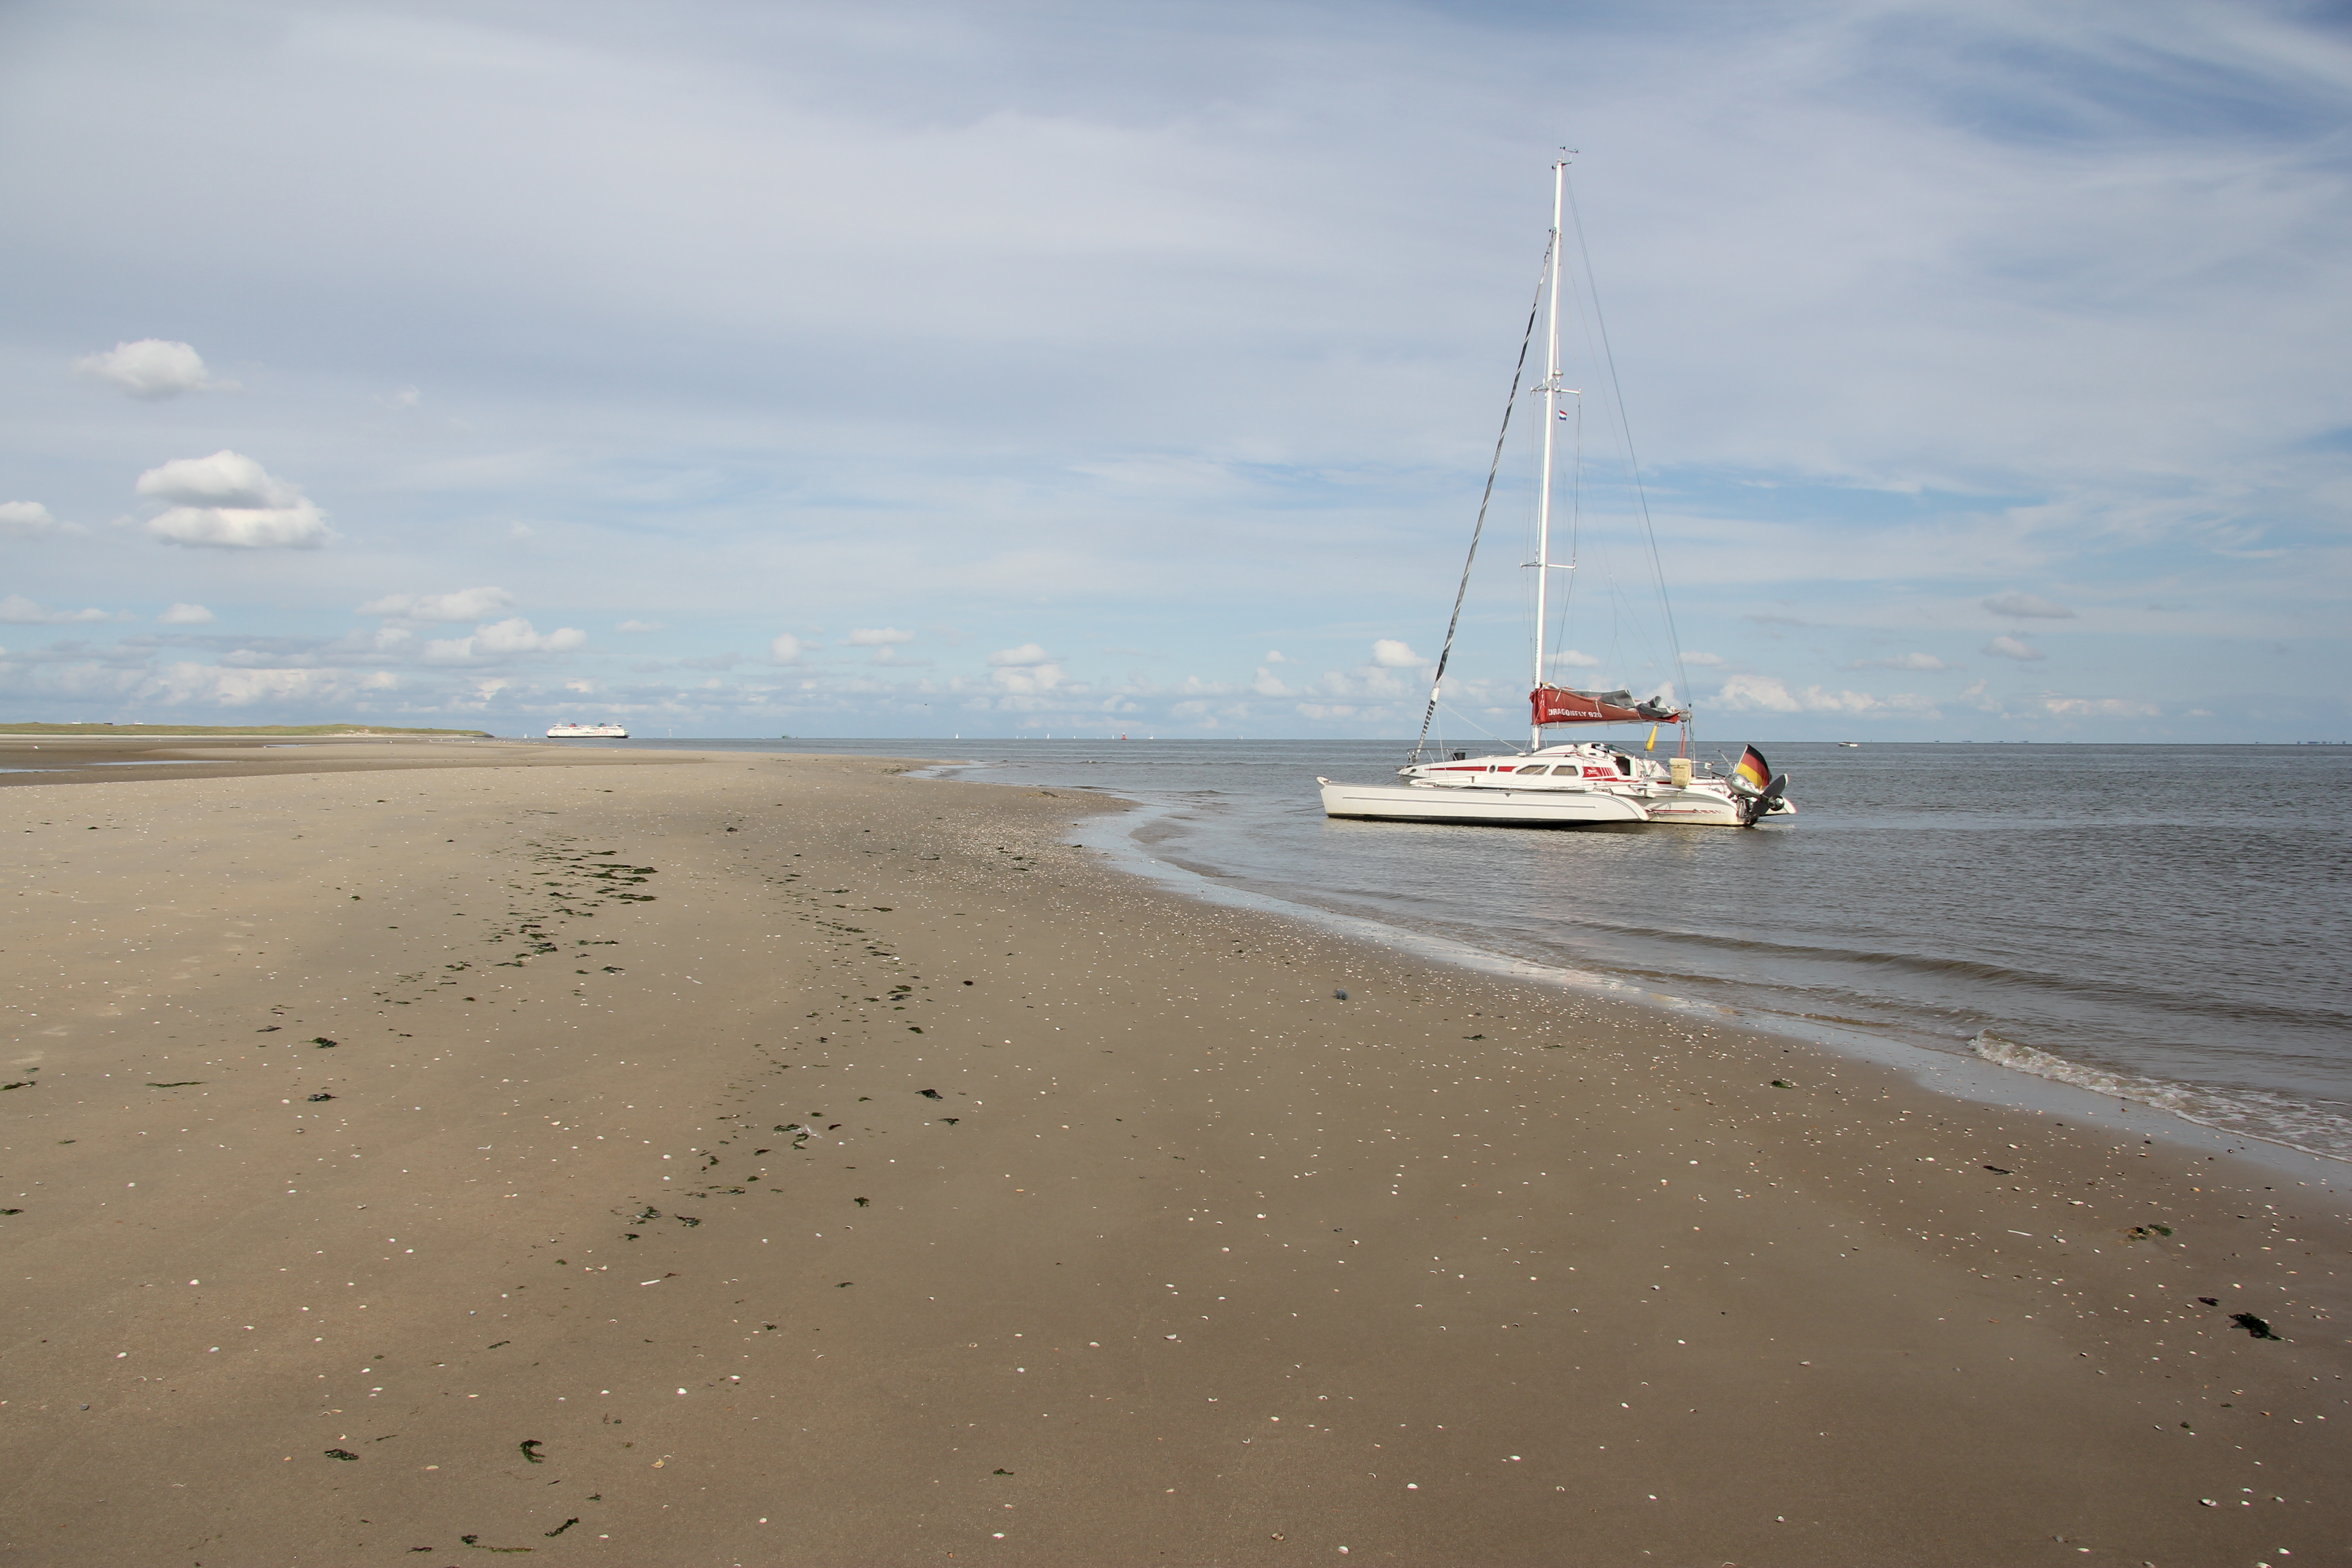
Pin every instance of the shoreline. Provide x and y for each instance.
(1968, 1075)
(801, 1160)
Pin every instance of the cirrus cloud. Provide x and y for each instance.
(228, 501)
(2006, 646)
(185, 615)
(18, 611)
(879, 636)
(2028, 606)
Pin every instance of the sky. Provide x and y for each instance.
(1971, 370)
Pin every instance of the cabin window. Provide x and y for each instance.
(1625, 767)
(1538, 768)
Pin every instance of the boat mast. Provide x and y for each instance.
(1550, 418)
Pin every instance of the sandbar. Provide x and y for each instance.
(423, 1149)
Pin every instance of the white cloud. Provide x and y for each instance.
(464, 604)
(2013, 265)
(1704, 661)
(1032, 676)
(1859, 704)
(185, 615)
(786, 649)
(152, 369)
(1573, 660)
(879, 636)
(203, 683)
(25, 519)
(228, 501)
(1275, 656)
(1756, 694)
(635, 627)
(516, 636)
(1367, 682)
(1027, 653)
(1269, 684)
(2098, 707)
(2006, 646)
(1903, 661)
(504, 639)
(1390, 654)
(18, 611)
(2031, 606)
(1766, 694)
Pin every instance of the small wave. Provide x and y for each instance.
(1861, 963)
(2315, 1128)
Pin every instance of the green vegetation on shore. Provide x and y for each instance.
(227, 730)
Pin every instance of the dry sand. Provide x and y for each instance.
(392, 1157)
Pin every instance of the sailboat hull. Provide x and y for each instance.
(1696, 808)
(1480, 807)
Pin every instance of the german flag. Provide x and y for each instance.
(1753, 770)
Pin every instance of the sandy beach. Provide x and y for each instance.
(423, 1149)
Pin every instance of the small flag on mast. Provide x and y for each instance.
(1753, 770)
(1652, 743)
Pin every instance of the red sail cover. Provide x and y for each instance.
(1559, 705)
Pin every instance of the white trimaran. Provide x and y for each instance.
(1578, 784)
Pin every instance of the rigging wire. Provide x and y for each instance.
(1518, 373)
(1633, 463)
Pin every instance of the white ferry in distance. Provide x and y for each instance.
(570, 732)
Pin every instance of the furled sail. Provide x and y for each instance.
(1559, 705)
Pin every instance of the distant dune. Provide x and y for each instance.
(223, 730)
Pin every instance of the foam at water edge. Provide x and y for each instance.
(2316, 1128)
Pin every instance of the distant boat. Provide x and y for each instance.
(570, 732)
(1851, 745)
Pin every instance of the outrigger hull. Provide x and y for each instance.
(1481, 806)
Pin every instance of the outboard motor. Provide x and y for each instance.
(1759, 806)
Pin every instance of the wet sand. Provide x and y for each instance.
(753, 1160)
(27, 760)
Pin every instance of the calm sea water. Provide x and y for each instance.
(2167, 924)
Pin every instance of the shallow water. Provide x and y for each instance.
(2169, 923)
